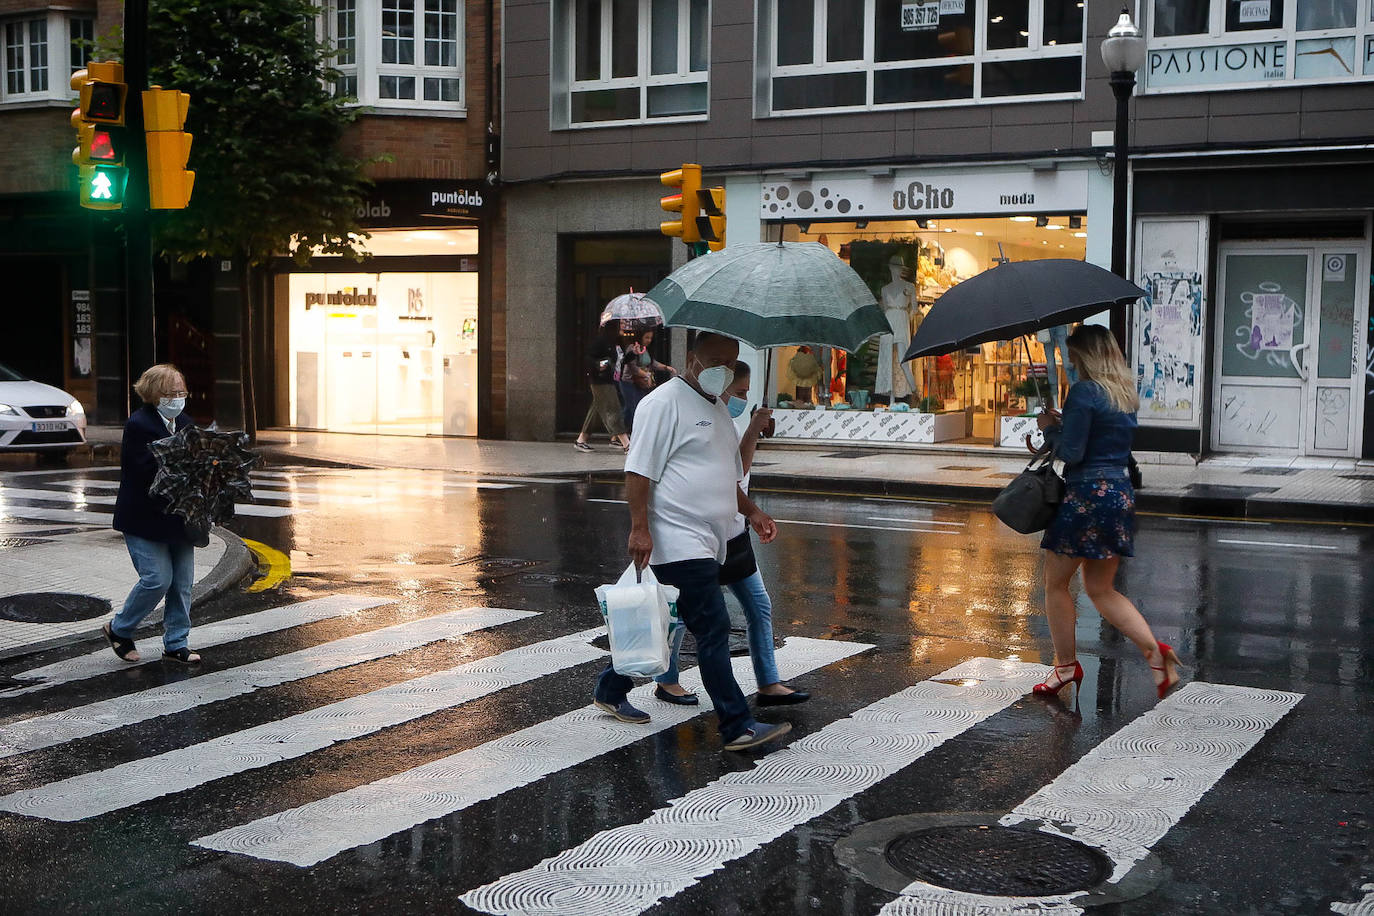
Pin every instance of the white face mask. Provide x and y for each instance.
(171, 408)
(715, 380)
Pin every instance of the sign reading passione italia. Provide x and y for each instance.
(1216, 64)
(968, 192)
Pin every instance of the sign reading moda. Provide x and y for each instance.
(928, 193)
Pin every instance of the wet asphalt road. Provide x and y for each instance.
(927, 584)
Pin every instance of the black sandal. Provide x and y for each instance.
(121, 646)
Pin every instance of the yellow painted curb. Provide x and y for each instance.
(274, 566)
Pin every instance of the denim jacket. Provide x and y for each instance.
(1094, 440)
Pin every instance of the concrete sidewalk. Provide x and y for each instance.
(1317, 489)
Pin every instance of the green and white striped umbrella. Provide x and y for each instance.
(772, 294)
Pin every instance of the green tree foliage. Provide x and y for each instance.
(270, 176)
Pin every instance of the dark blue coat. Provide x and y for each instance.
(136, 512)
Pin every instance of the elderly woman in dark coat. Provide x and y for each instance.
(158, 544)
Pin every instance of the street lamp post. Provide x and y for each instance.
(1123, 52)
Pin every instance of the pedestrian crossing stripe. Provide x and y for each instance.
(93, 499)
(258, 623)
(628, 869)
(137, 781)
(57, 728)
(1363, 907)
(324, 828)
(1124, 795)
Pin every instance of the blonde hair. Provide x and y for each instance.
(157, 382)
(1099, 360)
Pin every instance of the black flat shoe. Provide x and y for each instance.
(784, 699)
(687, 699)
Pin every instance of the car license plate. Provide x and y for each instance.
(51, 426)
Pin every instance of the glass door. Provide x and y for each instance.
(1288, 349)
(1332, 366)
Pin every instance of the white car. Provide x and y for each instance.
(37, 417)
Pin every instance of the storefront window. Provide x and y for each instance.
(966, 396)
(386, 352)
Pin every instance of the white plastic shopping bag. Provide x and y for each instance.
(640, 615)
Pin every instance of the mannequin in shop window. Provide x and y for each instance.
(898, 299)
(806, 372)
(1057, 339)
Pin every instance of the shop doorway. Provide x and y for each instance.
(1289, 348)
(597, 269)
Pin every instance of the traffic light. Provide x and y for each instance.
(711, 217)
(100, 136)
(684, 203)
(164, 114)
(102, 92)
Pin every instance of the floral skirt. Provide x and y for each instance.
(1095, 521)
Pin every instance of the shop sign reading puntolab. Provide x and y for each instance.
(971, 192)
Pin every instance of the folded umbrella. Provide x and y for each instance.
(1018, 298)
(773, 294)
(201, 474)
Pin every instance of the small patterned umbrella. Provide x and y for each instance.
(632, 306)
(201, 474)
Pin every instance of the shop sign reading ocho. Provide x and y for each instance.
(966, 193)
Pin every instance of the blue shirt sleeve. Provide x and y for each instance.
(1077, 424)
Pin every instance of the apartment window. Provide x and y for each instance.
(856, 54)
(39, 53)
(81, 33)
(631, 60)
(407, 53)
(1245, 44)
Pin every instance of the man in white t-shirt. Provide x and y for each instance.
(682, 483)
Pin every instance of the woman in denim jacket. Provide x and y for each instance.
(1095, 525)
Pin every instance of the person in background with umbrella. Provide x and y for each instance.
(638, 371)
(1095, 525)
(603, 357)
(161, 550)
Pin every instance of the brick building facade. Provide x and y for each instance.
(429, 93)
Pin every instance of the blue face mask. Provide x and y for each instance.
(736, 406)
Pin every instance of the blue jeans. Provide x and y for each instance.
(1059, 340)
(164, 570)
(701, 606)
(758, 618)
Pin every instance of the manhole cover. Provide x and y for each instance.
(999, 861)
(1004, 475)
(6, 543)
(52, 607)
(1272, 472)
(962, 467)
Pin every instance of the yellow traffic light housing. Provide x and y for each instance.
(685, 203)
(99, 152)
(164, 115)
(711, 217)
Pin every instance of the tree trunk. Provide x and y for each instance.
(250, 407)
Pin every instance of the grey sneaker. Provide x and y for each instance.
(759, 734)
(624, 712)
(582, 446)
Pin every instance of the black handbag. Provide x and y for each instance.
(1133, 472)
(739, 559)
(1029, 502)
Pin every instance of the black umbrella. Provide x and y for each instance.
(202, 474)
(1018, 298)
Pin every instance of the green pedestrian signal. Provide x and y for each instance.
(102, 187)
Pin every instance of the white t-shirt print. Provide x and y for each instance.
(688, 447)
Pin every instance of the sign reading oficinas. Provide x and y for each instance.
(935, 193)
(1216, 64)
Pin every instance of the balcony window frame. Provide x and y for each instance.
(1037, 49)
(1216, 36)
(361, 77)
(564, 83)
(60, 53)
